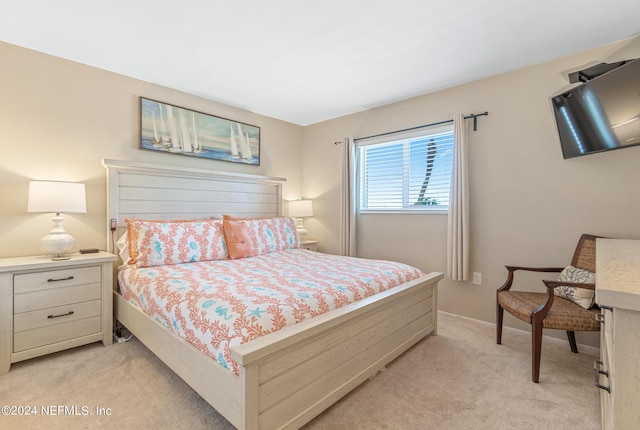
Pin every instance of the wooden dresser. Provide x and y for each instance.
(617, 373)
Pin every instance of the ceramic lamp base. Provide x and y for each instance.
(302, 232)
(58, 243)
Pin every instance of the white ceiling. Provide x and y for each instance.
(306, 61)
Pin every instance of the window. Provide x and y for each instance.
(406, 174)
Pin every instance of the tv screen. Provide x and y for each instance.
(601, 114)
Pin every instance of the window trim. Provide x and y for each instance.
(408, 211)
(390, 138)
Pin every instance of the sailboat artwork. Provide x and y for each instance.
(241, 149)
(176, 130)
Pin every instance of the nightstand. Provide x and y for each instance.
(310, 244)
(47, 306)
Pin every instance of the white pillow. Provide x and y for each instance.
(123, 247)
(580, 296)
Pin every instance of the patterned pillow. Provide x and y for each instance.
(581, 296)
(251, 237)
(156, 243)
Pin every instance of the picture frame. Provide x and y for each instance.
(176, 130)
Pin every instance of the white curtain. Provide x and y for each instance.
(348, 203)
(458, 222)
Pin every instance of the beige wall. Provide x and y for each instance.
(58, 119)
(528, 204)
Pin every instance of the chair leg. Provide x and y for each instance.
(536, 350)
(572, 341)
(499, 315)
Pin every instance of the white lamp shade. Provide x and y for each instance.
(300, 208)
(54, 196)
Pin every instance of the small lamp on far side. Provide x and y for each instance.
(57, 197)
(299, 209)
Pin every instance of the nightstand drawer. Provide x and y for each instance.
(37, 281)
(56, 333)
(56, 315)
(310, 244)
(44, 299)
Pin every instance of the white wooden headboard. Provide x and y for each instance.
(147, 191)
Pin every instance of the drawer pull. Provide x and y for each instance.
(600, 317)
(597, 372)
(61, 315)
(68, 278)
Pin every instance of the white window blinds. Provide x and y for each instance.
(406, 172)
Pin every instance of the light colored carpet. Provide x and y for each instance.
(459, 379)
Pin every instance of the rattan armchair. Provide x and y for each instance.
(544, 310)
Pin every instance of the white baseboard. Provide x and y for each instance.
(584, 349)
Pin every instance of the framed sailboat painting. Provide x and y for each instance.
(176, 130)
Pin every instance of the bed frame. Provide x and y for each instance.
(290, 376)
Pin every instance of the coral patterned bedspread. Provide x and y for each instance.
(216, 305)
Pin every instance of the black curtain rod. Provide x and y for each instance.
(473, 115)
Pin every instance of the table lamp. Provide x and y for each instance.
(299, 209)
(57, 197)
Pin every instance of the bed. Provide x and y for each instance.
(285, 378)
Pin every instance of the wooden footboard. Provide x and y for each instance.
(291, 376)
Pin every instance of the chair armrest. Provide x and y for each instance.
(555, 284)
(535, 269)
(511, 270)
(541, 311)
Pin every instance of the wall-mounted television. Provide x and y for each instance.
(601, 114)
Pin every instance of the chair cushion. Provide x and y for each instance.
(582, 296)
(563, 315)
